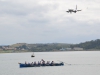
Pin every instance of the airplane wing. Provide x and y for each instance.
(67, 11)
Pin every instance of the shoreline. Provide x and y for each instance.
(11, 51)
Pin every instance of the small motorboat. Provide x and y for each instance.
(33, 55)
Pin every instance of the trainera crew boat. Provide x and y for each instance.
(23, 65)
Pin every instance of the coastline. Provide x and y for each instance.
(12, 51)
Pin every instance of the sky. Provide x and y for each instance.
(46, 21)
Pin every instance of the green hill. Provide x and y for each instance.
(93, 44)
(17, 45)
(40, 47)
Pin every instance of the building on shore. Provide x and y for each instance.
(77, 48)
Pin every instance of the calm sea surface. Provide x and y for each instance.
(76, 63)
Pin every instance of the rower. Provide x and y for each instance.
(25, 62)
(47, 63)
(34, 62)
(52, 63)
(39, 63)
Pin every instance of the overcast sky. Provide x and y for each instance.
(46, 21)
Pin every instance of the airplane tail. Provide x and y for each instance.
(76, 7)
(79, 10)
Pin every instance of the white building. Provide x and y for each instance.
(62, 49)
(77, 48)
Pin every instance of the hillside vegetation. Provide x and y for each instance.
(40, 47)
(93, 44)
(24, 47)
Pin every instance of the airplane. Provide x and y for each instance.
(72, 10)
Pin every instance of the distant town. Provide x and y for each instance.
(24, 47)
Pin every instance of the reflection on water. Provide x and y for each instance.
(76, 63)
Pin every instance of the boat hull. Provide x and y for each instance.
(21, 65)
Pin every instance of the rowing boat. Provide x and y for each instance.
(22, 65)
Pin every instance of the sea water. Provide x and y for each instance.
(75, 63)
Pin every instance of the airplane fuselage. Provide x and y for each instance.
(73, 10)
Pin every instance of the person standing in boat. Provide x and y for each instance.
(43, 62)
